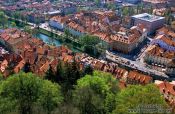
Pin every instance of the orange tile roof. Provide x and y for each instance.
(167, 88)
(134, 75)
(60, 19)
(3, 65)
(160, 52)
(99, 66)
(119, 72)
(19, 66)
(44, 67)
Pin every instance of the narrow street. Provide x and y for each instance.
(137, 65)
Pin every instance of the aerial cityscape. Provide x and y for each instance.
(87, 56)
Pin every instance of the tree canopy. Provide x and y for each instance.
(21, 92)
(95, 93)
(136, 95)
(3, 19)
(89, 40)
(89, 44)
(66, 75)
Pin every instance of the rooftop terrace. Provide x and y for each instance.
(148, 17)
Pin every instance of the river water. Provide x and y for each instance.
(47, 39)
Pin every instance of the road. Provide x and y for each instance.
(134, 64)
(46, 27)
(138, 64)
(28, 23)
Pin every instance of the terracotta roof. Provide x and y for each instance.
(160, 52)
(167, 88)
(60, 19)
(3, 65)
(44, 67)
(119, 72)
(129, 36)
(134, 75)
(160, 12)
(98, 65)
(19, 66)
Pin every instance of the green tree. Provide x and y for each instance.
(140, 8)
(89, 44)
(27, 67)
(50, 75)
(97, 2)
(93, 93)
(67, 75)
(125, 11)
(21, 92)
(67, 108)
(67, 34)
(35, 31)
(89, 40)
(111, 6)
(137, 95)
(28, 29)
(3, 19)
(50, 96)
(88, 70)
(1, 77)
(13, 24)
(88, 101)
(167, 16)
(17, 15)
(150, 9)
(131, 11)
(37, 21)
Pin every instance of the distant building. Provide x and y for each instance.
(104, 25)
(58, 22)
(157, 1)
(151, 22)
(161, 53)
(50, 14)
(67, 8)
(133, 1)
(36, 18)
(132, 77)
(167, 89)
(108, 1)
(127, 40)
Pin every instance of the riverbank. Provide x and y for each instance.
(49, 37)
(72, 44)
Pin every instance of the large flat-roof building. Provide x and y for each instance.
(151, 22)
(133, 1)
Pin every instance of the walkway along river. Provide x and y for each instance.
(45, 37)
